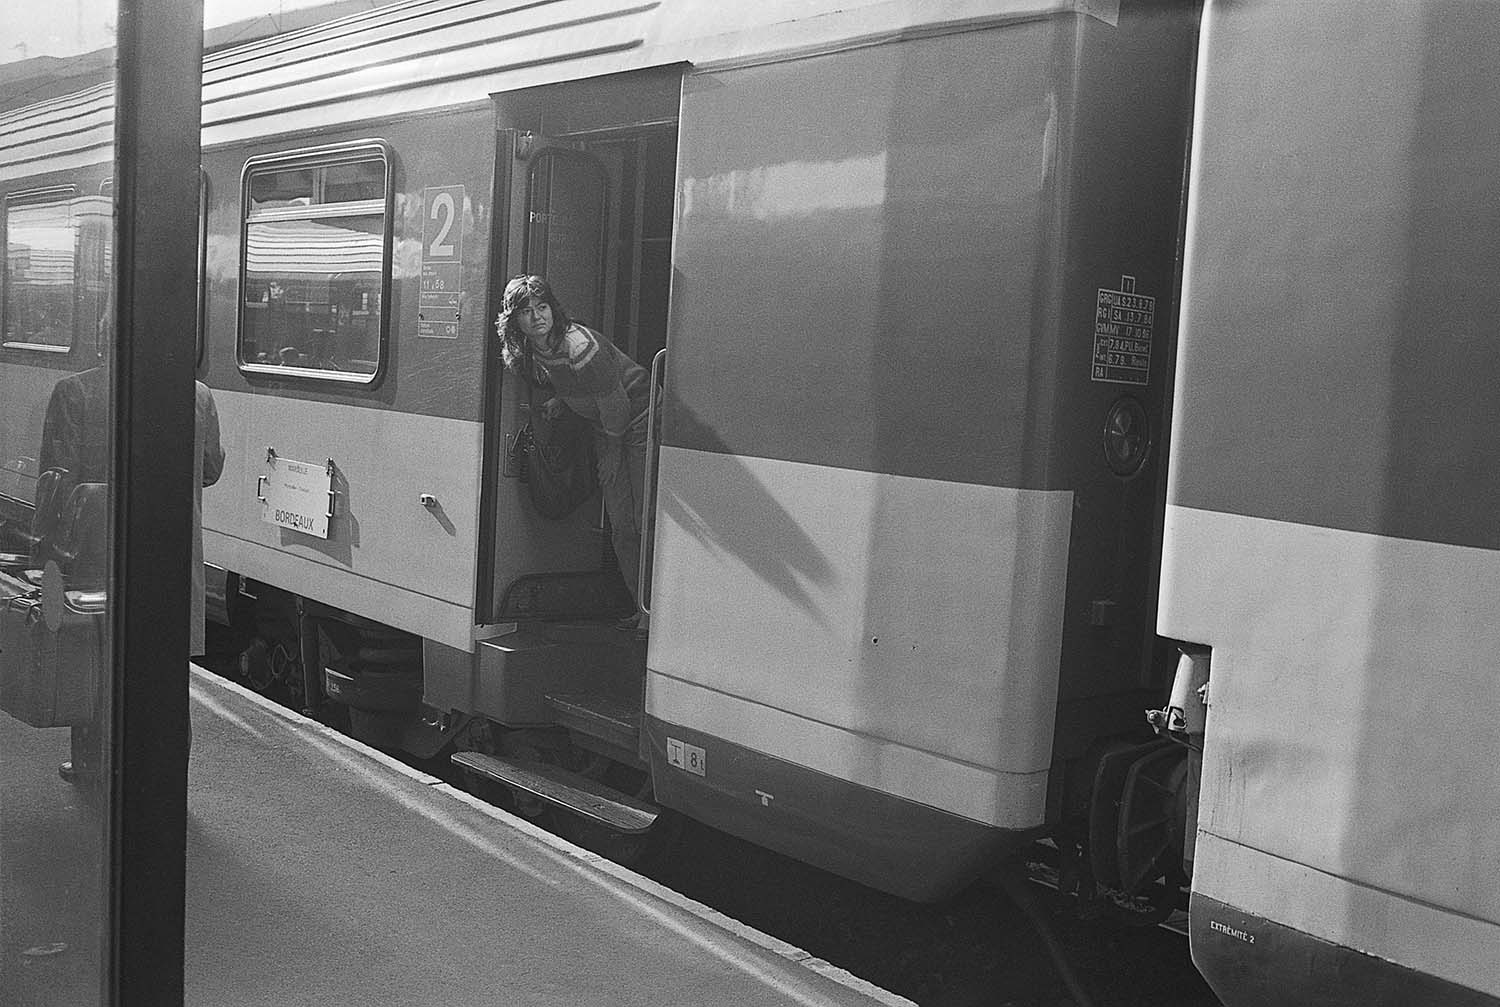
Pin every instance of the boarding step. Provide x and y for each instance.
(570, 790)
(615, 722)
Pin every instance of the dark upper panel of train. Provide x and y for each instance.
(1377, 282)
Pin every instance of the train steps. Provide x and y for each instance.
(608, 725)
(573, 791)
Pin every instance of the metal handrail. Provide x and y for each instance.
(648, 497)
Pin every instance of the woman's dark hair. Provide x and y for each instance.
(518, 291)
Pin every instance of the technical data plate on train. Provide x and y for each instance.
(441, 293)
(297, 495)
(1124, 322)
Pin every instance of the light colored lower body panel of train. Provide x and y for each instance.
(886, 674)
(387, 557)
(1351, 764)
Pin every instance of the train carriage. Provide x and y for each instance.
(902, 587)
(1330, 534)
(912, 271)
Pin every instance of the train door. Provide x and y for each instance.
(584, 185)
(555, 217)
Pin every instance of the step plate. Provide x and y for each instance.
(612, 721)
(577, 793)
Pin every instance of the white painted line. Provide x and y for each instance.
(200, 695)
(640, 892)
(383, 783)
(306, 724)
(601, 865)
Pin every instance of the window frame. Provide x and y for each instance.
(324, 156)
(64, 195)
(201, 356)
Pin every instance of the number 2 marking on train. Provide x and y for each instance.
(442, 204)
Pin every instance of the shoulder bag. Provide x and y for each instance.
(555, 457)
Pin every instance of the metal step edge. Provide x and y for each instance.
(613, 723)
(566, 789)
(613, 713)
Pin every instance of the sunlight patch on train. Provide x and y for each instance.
(793, 189)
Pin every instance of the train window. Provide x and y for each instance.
(315, 273)
(53, 240)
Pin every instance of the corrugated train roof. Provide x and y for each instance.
(425, 54)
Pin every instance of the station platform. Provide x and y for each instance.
(321, 871)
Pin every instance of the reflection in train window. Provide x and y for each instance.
(57, 248)
(316, 263)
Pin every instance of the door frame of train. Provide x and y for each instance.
(518, 155)
(531, 151)
(587, 119)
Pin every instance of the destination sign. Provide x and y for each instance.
(297, 496)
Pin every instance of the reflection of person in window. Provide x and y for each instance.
(597, 381)
(75, 445)
(73, 431)
(208, 464)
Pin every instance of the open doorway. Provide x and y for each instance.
(585, 182)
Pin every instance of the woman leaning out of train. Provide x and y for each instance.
(591, 376)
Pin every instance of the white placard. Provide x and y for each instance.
(297, 495)
(1124, 324)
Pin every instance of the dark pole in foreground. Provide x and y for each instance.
(158, 88)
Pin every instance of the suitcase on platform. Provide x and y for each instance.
(52, 656)
(50, 677)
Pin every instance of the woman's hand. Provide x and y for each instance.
(553, 408)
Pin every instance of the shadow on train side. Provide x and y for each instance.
(764, 537)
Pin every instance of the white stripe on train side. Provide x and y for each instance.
(851, 622)
(1351, 733)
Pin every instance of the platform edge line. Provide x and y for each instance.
(790, 952)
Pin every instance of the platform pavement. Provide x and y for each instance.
(321, 872)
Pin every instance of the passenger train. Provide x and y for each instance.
(1073, 428)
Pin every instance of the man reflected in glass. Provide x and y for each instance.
(72, 507)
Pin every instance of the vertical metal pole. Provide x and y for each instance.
(311, 660)
(648, 501)
(158, 91)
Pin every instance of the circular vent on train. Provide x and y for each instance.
(1127, 436)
